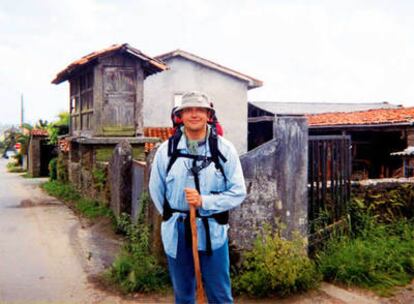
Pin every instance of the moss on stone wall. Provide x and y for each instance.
(104, 154)
(118, 131)
(138, 153)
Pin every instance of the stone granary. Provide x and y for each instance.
(106, 106)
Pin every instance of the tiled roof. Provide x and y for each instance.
(252, 82)
(278, 107)
(151, 65)
(64, 145)
(162, 133)
(39, 132)
(371, 117)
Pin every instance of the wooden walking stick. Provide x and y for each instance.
(200, 290)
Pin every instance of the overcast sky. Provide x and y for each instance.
(325, 51)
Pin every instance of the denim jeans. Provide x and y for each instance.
(215, 270)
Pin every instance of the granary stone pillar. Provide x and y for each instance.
(120, 178)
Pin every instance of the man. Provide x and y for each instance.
(203, 170)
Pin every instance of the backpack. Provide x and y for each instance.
(216, 157)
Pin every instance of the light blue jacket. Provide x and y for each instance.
(217, 196)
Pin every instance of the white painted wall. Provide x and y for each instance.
(229, 95)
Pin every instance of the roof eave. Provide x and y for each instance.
(152, 65)
(400, 124)
(252, 83)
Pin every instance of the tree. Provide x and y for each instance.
(59, 127)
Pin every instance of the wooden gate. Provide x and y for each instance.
(329, 184)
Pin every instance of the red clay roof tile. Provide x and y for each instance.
(39, 132)
(162, 133)
(370, 117)
(153, 65)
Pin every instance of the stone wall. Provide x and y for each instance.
(276, 182)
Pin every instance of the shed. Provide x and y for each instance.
(39, 153)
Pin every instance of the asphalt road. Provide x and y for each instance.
(43, 249)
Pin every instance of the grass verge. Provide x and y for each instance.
(87, 207)
(136, 269)
(13, 167)
(379, 257)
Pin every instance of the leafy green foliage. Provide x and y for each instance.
(53, 169)
(387, 201)
(136, 269)
(61, 170)
(92, 208)
(58, 127)
(63, 191)
(87, 207)
(379, 257)
(379, 252)
(14, 167)
(99, 178)
(41, 124)
(276, 266)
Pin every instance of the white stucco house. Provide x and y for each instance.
(187, 72)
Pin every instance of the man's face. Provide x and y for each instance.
(195, 119)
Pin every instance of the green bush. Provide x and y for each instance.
(14, 167)
(276, 266)
(136, 268)
(379, 256)
(61, 170)
(53, 169)
(99, 178)
(387, 201)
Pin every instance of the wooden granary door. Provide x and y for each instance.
(119, 100)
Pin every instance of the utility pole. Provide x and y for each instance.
(21, 111)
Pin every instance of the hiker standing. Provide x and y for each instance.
(200, 168)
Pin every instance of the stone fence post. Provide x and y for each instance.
(276, 182)
(120, 178)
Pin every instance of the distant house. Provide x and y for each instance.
(376, 134)
(319, 107)
(188, 72)
(261, 114)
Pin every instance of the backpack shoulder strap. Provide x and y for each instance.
(172, 148)
(216, 155)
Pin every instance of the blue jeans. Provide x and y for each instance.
(215, 270)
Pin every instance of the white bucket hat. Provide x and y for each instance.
(195, 100)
